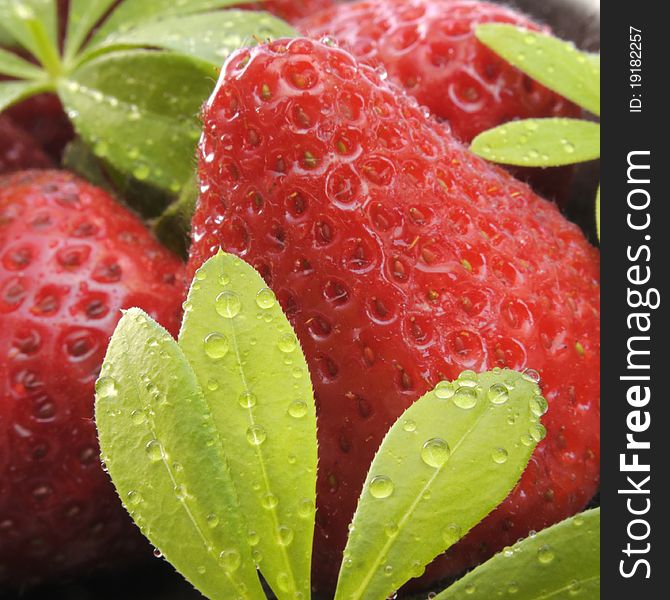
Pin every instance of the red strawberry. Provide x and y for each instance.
(18, 150)
(401, 259)
(430, 48)
(290, 10)
(70, 258)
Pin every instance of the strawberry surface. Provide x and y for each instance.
(401, 259)
(291, 10)
(429, 47)
(18, 150)
(70, 258)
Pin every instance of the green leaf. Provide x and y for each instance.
(211, 36)
(139, 110)
(598, 212)
(12, 92)
(133, 12)
(163, 454)
(33, 24)
(449, 460)
(561, 562)
(14, 66)
(556, 64)
(82, 17)
(254, 376)
(540, 142)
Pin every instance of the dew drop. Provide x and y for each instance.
(212, 385)
(180, 491)
(284, 535)
(283, 582)
(256, 435)
(138, 417)
(545, 554)
(247, 399)
(228, 304)
(444, 390)
(538, 406)
(499, 455)
(216, 345)
(287, 342)
(512, 587)
(391, 529)
(265, 298)
(154, 450)
(575, 587)
(388, 570)
(106, 388)
(537, 432)
(134, 498)
(141, 172)
(435, 452)
(297, 409)
(269, 501)
(531, 375)
(224, 279)
(409, 425)
(253, 539)
(465, 397)
(305, 508)
(230, 560)
(470, 589)
(498, 394)
(451, 534)
(381, 487)
(202, 570)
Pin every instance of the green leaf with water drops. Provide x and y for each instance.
(561, 562)
(556, 64)
(134, 12)
(139, 110)
(449, 460)
(210, 36)
(255, 379)
(163, 452)
(540, 142)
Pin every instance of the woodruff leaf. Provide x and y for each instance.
(450, 459)
(210, 36)
(133, 12)
(138, 109)
(14, 66)
(556, 64)
(12, 92)
(255, 379)
(540, 142)
(165, 458)
(562, 561)
(82, 16)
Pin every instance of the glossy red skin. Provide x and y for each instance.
(429, 47)
(70, 258)
(18, 150)
(395, 280)
(291, 10)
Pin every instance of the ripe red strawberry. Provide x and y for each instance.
(18, 150)
(401, 259)
(70, 258)
(291, 10)
(429, 47)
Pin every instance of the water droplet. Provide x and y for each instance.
(391, 529)
(228, 304)
(575, 587)
(538, 406)
(256, 435)
(512, 587)
(409, 425)
(284, 535)
(531, 375)
(141, 172)
(216, 345)
(545, 554)
(269, 501)
(202, 570)
(388, 570)
(106, 388)
(381, 487)
(526, 439)
(253, 538)
(470, 589)
(212, 521)
(247, 399)
(265, 298)
(154, 450)
(499, 455)
(305, 508)
(444, 390)
(451, 534)
(435, 452)
(230, 560)
(283, 582)
(467, 375)
(134, 498)
(158, 553)
(201, 274)
(287, 342)
(537, 432)
(568, 147)
(465, 397)
(138, 417)
(297, 409)
(498, 394)
(212, 385)
(180, 491)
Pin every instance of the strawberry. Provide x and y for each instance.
(401, 259)
(70, 258)
(430, 48)
(18, 150)
(290, 10)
